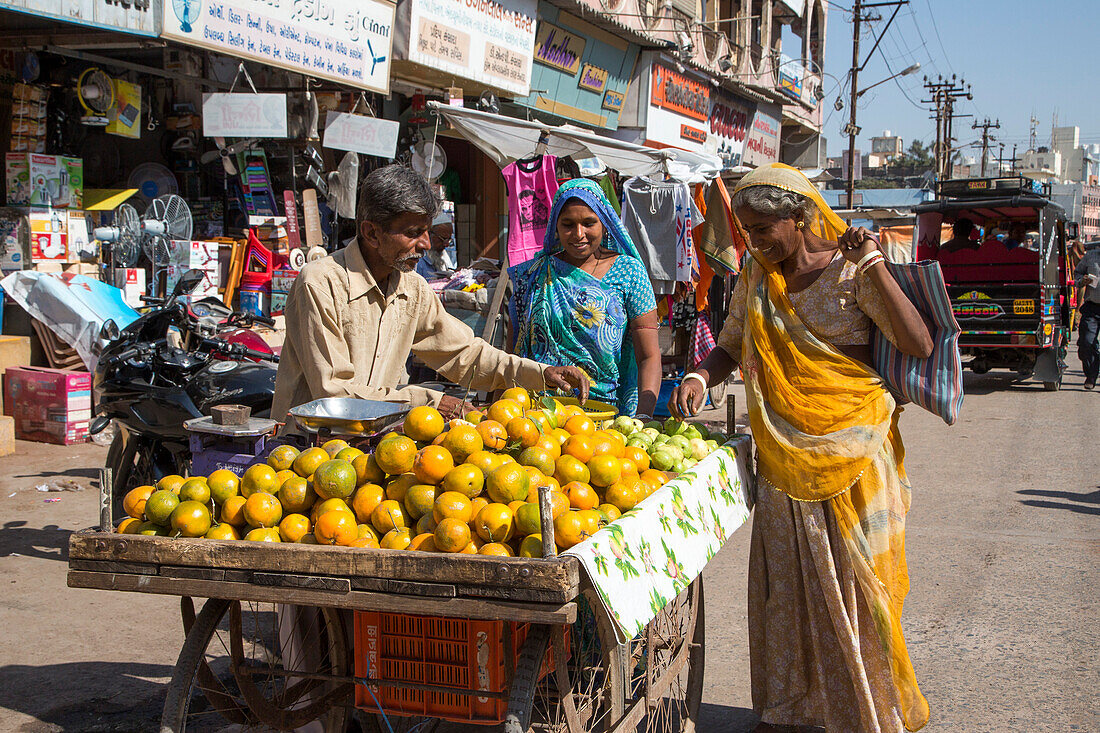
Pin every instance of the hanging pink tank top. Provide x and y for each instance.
(531, 189)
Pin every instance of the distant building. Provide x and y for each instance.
(1064, 161)
(886, 145)
(1082, 204)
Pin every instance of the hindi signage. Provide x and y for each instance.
(362, 134)
(346, 41)
(487, 41)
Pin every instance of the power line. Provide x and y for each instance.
(932, 17)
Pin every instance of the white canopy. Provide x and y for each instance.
(506, 139)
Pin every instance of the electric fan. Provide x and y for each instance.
(124, 238)
(96, 93)
(167, 219)
(428, 159)
(227, 153)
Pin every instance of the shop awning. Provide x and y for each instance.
(506, 139)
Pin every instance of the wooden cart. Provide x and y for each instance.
(251, 658)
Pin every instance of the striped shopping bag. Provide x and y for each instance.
(934, 383)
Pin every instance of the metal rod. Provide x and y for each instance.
(140, 68)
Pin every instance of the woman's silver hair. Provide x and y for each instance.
(388, 192)
(774, 201)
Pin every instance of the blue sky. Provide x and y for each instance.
(1021, 58)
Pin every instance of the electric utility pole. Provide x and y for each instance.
(985, 127)
(943, 94)
(858, 18)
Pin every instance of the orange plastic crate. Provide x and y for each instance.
(463, 654)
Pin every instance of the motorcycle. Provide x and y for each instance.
(174, 363)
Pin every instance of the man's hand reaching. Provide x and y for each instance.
(567, 378)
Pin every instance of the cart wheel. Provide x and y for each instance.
(668, 664)
(583, 695)
(248, 659)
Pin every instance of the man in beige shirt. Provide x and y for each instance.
(353, 318)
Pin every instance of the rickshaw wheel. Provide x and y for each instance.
(237, 662)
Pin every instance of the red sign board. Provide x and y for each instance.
(676, 92)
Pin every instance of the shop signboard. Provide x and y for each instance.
(762, 142)
(593, 78)
(558, 48)
(361, 134)
(346, 41)
(730, 118)
(790, 76)
(581, 72)
(679, 110)
(244, 115)
(486, 41)
(129, 16)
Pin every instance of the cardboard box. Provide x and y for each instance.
(34, 179)
(49, 235)
(13, 255)
(278, 302)
(131, 281)
(49, 405)
(15, 351)
(7, 435)
(283, 279)
(195, 255)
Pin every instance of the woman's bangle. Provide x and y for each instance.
(867, 257)
(871, 263)
(695, 375)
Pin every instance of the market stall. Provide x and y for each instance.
(600, 630)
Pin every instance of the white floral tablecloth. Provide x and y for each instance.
(646, 558)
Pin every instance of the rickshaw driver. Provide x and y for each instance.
(353, 318)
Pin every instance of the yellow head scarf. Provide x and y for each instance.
(826, 430)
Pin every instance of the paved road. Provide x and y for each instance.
(1002, 620)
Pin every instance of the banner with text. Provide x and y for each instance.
(679, 109)
(130, 16)
(487, 41)
(762, 143)
(361, 134)
(346, 41)
(730, 117)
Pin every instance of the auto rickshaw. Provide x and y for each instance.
(1005, 270)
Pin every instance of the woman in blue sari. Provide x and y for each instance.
(575, 302)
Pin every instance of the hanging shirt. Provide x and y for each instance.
(659, 216)
(531, 188)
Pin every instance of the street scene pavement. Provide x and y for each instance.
(1002, 620)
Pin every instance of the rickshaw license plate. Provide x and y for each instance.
(1023, 307)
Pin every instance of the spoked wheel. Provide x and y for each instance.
(581, 695)
(259, 666)
(667, 664)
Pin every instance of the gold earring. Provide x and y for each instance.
(800, 224)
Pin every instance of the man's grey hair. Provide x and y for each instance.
(388, 192)
(774, 201)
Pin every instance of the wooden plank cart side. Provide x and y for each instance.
(232, 651)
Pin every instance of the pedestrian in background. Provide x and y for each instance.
(1087, 274)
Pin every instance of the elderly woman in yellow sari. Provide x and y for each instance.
(827, 572)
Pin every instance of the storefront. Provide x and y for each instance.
(581, 73)
(669, 106)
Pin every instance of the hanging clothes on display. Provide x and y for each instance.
(532, 183)
(660, 216)
(719, 238)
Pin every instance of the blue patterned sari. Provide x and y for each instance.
(565, 316)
